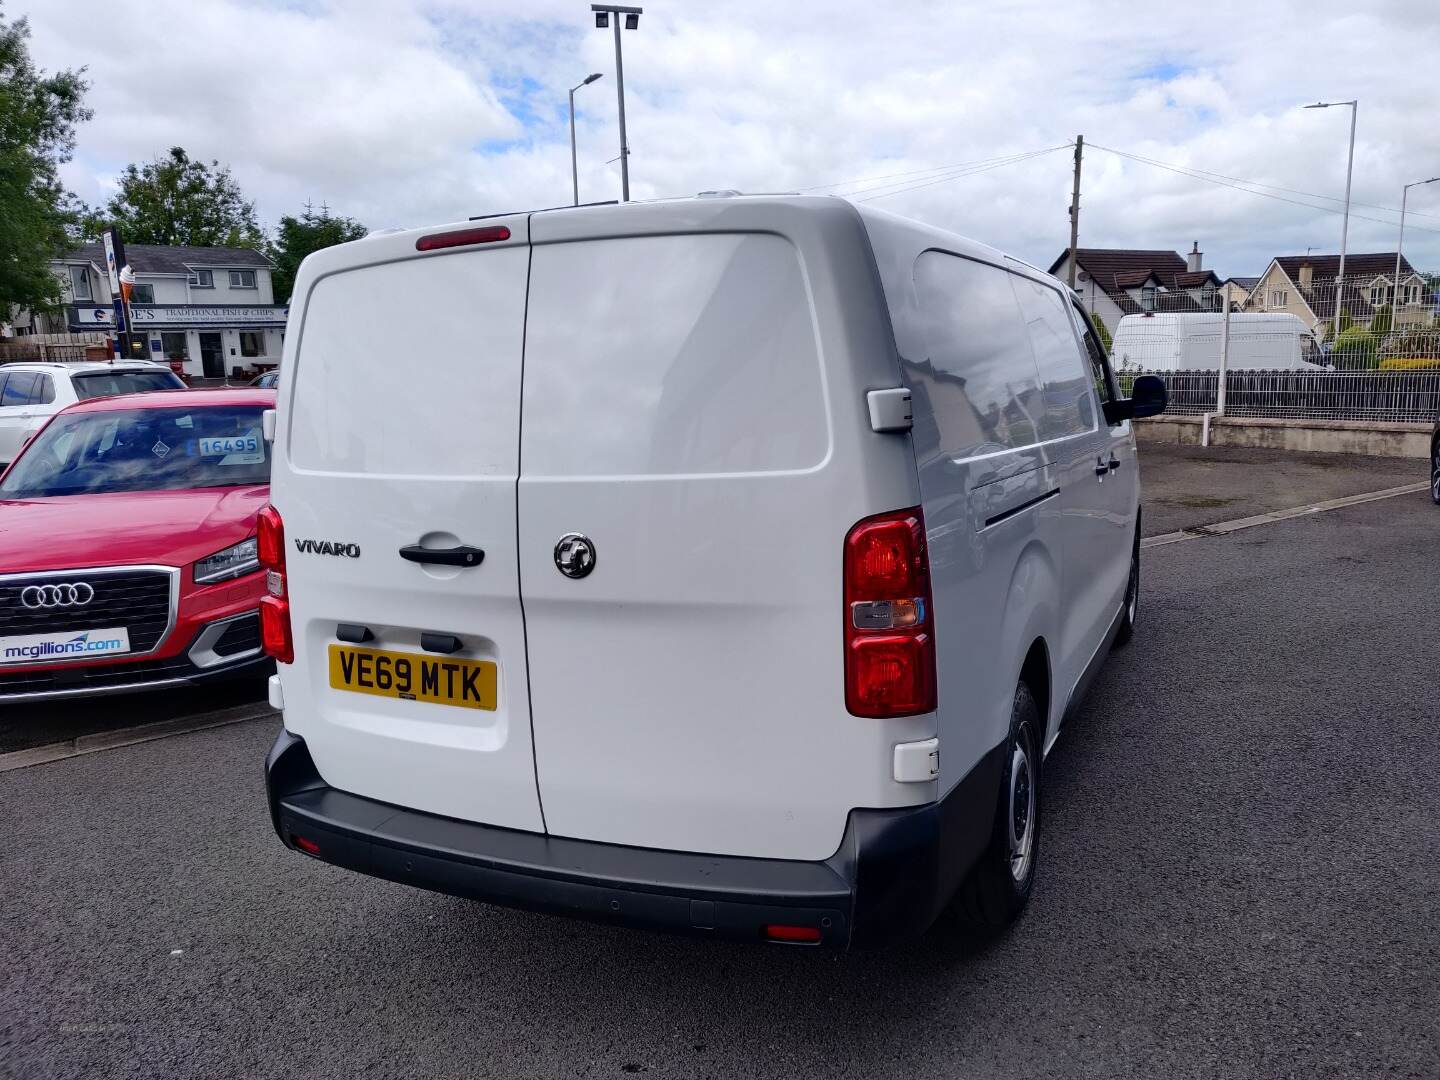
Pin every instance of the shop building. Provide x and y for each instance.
(210, 309)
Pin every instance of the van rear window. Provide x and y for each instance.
(667, 355)
(441, 399)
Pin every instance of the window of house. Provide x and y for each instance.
(80, 283)
(173, 345)
(142, 294)
(202, 279)
(1377, 295)
(252, 343)
(242, 279)
(1208, 298)
(1279, 297)
(1147, 297)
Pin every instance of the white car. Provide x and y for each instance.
(723, 565)
(32, 393)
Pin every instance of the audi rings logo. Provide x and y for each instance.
(66, 595)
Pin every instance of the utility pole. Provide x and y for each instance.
(1075, 208)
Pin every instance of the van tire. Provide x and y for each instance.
(998, 887)
(1130, 606)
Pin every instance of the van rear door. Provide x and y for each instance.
(400, 446)
(683, 505)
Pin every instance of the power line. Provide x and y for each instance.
(911, 173)
(901, 188)
(1195, 171)
(1240, 186)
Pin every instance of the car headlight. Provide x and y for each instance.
(230, 563)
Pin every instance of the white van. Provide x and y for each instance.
(1192, 341)
(721, 565)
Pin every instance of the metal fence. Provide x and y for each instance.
(1308, 395)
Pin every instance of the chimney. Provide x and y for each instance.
(1307, 276)
(1195, 258)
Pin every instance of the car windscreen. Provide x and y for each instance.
(142, 450)
(109, 383)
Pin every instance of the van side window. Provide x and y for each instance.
(1064, 374)
(1099, 366)
(984, 389)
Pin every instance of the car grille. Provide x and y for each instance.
(138, 600)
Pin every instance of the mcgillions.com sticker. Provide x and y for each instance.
(66, 645)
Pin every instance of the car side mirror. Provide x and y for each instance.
(1148, 397)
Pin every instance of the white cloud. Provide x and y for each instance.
(404, 113)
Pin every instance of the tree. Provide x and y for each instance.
(1382, 321)
(1102, 330)
(299, 237)
(175, 200)
(38, 114)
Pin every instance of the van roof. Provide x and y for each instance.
(706, 210)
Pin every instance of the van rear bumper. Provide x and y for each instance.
(894, 870)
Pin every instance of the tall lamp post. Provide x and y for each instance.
(1345, 228)
(574, 167)
(632, 21)
(1399, 244)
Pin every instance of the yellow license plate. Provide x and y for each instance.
(469, 684)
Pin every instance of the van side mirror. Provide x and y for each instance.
(1148, 397)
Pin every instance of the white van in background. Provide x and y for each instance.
(723, 565)
(1191, 341)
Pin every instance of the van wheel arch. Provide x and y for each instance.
(1035, 674)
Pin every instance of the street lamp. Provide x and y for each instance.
(1345, 228)
(574, 168)
(632, 21)
(1404, 194)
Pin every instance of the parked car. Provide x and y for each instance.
(817, 526)
(32, 393)
(1435, 463)
(127, 539)
(1191, 341)
(268, 380)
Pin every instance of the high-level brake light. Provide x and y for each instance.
(889, 639)
(488, 234)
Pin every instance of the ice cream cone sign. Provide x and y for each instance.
(127, 282)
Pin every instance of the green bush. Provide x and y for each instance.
(1355, 347)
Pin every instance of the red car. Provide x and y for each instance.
(127, 545)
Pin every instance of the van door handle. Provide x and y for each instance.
(463, 555)
(1114, 462)
(1102, 468)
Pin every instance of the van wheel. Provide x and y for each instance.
(1435, 471)
(1131, 611)
(999, 885)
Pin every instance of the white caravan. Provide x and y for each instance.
(722, 565)
(1191, 341)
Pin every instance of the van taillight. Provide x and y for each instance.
(270, 539)
(889, 636)
(275, 636)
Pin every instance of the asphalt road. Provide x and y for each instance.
(1240, 877)
(1186, 486)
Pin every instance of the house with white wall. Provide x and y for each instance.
(210, 309)
(1114, 282)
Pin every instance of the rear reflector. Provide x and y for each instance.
(805, 935)
(310, 847)
(275, 636)
(462, 238)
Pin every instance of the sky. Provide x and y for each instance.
(427, 111)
